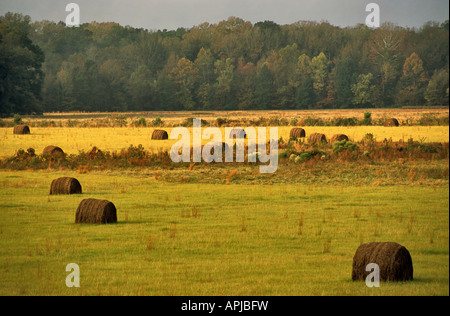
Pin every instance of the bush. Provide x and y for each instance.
(221, 121)
(313, 121)
(158, 122)
(17, 119)
(344, 121)
(307, 155)
(343, 146)
(367, 119)
(141, 122)
(189, 122)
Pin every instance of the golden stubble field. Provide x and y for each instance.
(73, 140)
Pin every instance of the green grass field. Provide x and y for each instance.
(215, 239)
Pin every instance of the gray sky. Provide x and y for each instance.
(171, 14)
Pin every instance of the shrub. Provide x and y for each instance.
(17, 119)
(343, 146)
(158, 122)
(344, 121)
(307, 155)
(141, 122)
(221, 121)
(367, 118)
(313, 121)
(189, 122)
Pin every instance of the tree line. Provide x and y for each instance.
(231, 65)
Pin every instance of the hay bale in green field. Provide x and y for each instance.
(393, 259)
(93, 211)
(65, 185)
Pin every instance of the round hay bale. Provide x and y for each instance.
(65, 185)
(239, 132)
(21, 129)
(391, 122)
(53, 151)
(339, 138)
(93, 211)
(316, 138)
(297, 133)
(393, 259)
(159, 134)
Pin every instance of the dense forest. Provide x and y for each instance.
(234, 64)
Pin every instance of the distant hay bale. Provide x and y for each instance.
(297, 133)
(316, 138)
(65, 185)
(159, 134)
(53, 151)
(93, 211)
(391, 122)
(21, 129)
(339, 138)
(223, 145)
(239, 132)
(393, 259)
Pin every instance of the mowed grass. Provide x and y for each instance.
(202, 239)
(74, 140)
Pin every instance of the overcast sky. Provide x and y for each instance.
(171, 14)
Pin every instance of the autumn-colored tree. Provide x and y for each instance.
(438, 88)
(245, 83)
(412, 82)
(227, 65)
(184, 76)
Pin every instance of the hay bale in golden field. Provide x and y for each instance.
(21, 130)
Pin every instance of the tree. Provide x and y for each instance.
(141, 87)
(346, 74)
(437, 91)
(264, 89)
(385, 55)
(224, 70)
(363, 90)
(320, 68)
(113, 78)
(245, 84)
(21, 75)
(184, 76)
(305, 97)
(412, 82)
